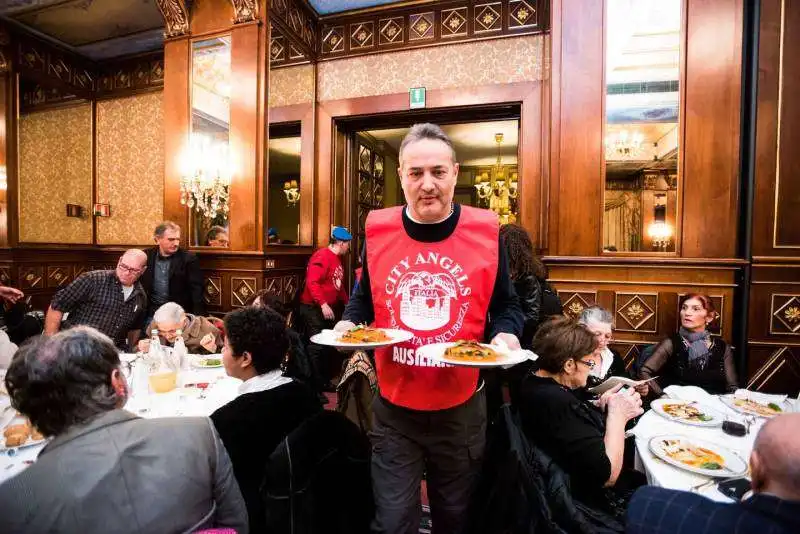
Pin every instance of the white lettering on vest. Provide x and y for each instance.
(405, 356)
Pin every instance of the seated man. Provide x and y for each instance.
(774, 507)
(218, 237)
(107, 470)
(111, 301)
(199, 334)
(269, 405)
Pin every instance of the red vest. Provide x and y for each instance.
(440, 292)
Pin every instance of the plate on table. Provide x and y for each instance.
(474, 354)
(212, 361)
(362, 337)
(698, 456)
(687, 412)
(754, 407)
(18, 433)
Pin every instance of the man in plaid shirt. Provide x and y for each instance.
(111, 301)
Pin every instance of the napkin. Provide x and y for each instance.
(502, 348)
(688, 393)
(761, 398)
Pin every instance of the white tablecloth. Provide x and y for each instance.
(660, 473)
(181, 402)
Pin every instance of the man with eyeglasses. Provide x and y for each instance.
(112, 301)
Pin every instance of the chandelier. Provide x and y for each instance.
(497, 188)
(622, 145)
(205, 184)
(292, 191)
(661, 235)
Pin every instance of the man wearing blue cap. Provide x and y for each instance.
(322, 302)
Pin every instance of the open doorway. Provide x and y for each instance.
(487, 150)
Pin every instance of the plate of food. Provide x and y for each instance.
(19, 433)
(473, 354)
(362, 337)
(212, 361)
(687, 412)
(761, 407)
(698, 456)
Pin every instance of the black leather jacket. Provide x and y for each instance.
(529, 291)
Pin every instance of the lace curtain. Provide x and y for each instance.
(622, 221)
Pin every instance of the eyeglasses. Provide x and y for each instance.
(590, 364)
(128, 269)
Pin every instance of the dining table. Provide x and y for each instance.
(652, 424)
(199, 393)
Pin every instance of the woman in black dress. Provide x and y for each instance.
(691, 357)
(586, 439)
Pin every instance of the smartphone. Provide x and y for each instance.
(734, 488)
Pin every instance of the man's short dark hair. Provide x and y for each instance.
(559, 340)
(214, 233)
(422, 131)
(262, 333)
(63, 380)
(164, 226)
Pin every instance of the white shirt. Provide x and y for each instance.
(126, 292)
(264, 382)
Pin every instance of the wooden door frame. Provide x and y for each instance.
(332, 161)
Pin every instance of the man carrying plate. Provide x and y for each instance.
(436, 269)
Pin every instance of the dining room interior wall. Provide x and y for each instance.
(55, 169)
(291, 85)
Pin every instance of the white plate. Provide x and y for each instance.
(728, 401)
(436, 351)
(734, 465)
(716, 418)
(199, 361)
(331, 339)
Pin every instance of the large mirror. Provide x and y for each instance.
(642, 126)
(205, 186)
(284, 184)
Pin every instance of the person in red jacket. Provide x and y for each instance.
(322, 302)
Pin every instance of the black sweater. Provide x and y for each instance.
(251, 426)
(505, 312)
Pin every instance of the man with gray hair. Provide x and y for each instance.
(774, 507)
(113, 301)
(440, 271)
(105, 469)
(173, 274)
(199, 335)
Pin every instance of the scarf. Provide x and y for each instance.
(698, 346)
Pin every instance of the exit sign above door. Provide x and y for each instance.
(416, 98)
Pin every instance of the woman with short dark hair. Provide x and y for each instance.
(586, 440)
(269, 405)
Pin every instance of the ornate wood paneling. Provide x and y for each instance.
(629, 351)
(176, 17)
(121, 78)
(574, 302)
(432, 23)
(244, 11)
(59, 275)
(785, 314)
(296, 27)
(242, 288)
(774, 368)
(31, 277)
(285, 52)
(46, 64)
(212, 291)
(636, 312)
(36, 96)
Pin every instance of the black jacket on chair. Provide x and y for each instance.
(317, 481)
(185, 281)
(522, 491)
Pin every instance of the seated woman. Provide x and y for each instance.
(586, 440)
(691, 357)
(269, 405)
(599, 322)
(199, 335)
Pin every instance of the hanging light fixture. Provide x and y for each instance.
(623, 145)
(498, 188)
(292, 191)
(205, 184)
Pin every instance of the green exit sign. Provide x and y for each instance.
(416, 98)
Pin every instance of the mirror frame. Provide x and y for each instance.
(681, 136)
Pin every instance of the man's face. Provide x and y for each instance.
(344, 247)
(129, 269)
(169, 243)
(169, 331)
(428, 177)
(221, 241)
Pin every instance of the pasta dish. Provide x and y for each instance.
(470, 351)
(753, 407)
(691, 455)
(685, 412)
(364, 334)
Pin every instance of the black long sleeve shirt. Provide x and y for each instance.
(505, 313)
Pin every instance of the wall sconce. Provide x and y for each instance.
(292, 192)
(101, 210)
(74, 210)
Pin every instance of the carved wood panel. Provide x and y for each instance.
(636, 312)
(774, 369)
(574, 302)
(59, 275)
(242, 288)
(31, 277)
(785, 314)
(212, 290)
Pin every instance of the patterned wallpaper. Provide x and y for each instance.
(291, 85)
(458, 65)
(130, 168)
(55, 169)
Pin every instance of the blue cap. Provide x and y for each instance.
(340, 233)
(271, 232)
